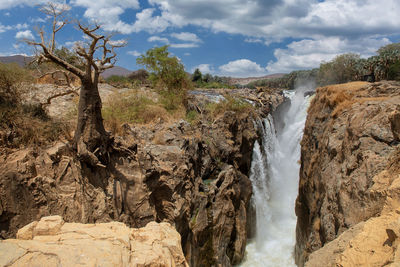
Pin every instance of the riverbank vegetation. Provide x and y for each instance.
(385, 65)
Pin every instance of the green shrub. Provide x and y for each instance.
(197, 76)
(173, 101)
(341, 69)
(168, 75)
(394, 71)
(120, 81)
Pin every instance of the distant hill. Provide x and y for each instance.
(116, 70)
(19, 59)
(24, 60)
(245, 81)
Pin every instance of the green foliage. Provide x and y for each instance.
(207, 78)
(197, 76)
(133, 80)
(341, 69)
(394, 71)
(390, 48)
(172, 100)
(192, 117)
(350, 67)
(120, 81)
(167, 74)
(208, 81)
(165, 71)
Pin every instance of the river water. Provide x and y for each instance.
(275, 175)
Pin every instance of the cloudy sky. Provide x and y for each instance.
(239, 38)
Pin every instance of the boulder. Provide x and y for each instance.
(51, 242)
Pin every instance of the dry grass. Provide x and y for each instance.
(22, 126)
(340, 97)
(135, 107)
(230, 104)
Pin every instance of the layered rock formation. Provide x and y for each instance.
(51, 242)
(191, 176)
(349, 194)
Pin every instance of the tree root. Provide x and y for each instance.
(88, 157)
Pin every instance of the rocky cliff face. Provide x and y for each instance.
(348, 190)
(191, 176)
(51, 242)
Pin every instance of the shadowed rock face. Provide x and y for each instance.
(350, 138)
(191, 176)
(199, 184)
(51, 242)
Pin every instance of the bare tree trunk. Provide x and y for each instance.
(91, 139)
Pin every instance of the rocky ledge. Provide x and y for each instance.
(51, 242)
(349, 192)
(193, 176)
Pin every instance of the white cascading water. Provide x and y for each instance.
(275, 175)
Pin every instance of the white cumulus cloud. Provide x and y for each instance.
(184, 45)
(204, 68)
(158, 39)
(24, 35)
(134, 53)
(275, 20)
(6, 4)
(191, 39)
(186, 37)
(242, 68)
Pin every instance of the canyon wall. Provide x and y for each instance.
(193, 176)
(349, 194)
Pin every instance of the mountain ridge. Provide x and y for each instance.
(22, 61)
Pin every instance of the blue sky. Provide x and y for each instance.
(240, 38)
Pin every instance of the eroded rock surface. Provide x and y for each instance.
(348, 176)
(61, 100)
(194, 177)
(51, 242)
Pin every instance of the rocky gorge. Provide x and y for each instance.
(194, 177)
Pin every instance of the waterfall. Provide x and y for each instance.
(274, 175)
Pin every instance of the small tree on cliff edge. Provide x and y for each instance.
(167, 74)
(91, 139)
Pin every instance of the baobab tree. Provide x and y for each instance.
(97, 54)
